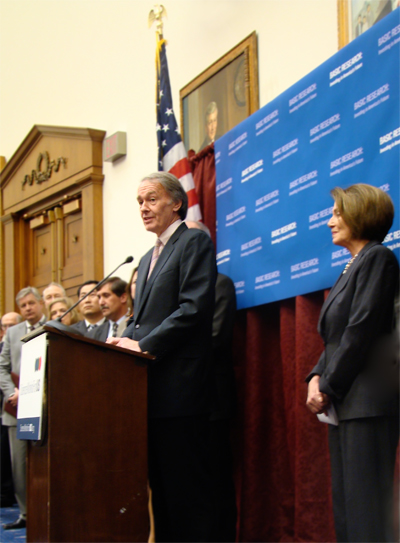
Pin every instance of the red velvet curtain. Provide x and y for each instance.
(281, 457)
(280, 449)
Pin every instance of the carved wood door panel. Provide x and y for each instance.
(72, 271)
(39, 246)
(54, 242)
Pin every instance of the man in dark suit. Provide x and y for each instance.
(225, 402)
(89, 308)
(31, 308)
(113, 302)
(174, 306)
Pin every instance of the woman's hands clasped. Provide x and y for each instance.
(317, 401)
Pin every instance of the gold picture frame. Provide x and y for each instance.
(220, 97)
(356, 16)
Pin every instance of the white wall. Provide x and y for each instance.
(91, 63)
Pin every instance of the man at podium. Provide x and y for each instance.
(174, 306)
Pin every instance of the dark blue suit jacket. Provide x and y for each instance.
(80, 327)
(222, 339)
(355, 317)
(173, 322)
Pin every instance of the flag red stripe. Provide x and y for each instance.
(192, 197)
(181, 168)
(172, 155)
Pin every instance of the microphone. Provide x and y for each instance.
(127, 260)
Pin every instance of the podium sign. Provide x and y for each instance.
(31, 388)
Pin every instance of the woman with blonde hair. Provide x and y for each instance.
(59, 306)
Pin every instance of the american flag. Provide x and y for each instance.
(172, 156)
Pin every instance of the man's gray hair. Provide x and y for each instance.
(212, 106)
(174, 188)
(28, 290)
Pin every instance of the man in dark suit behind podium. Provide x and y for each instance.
(174, 306)
(113, 301)
(225, 403)
(90, 309)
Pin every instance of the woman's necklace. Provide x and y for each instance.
(349, 263)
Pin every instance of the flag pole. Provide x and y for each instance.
(156, 15)
(172, 156)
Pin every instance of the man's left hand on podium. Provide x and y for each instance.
(125, 342)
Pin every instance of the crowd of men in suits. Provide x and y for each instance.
(183, 312)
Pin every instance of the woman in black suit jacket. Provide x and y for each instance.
(351, 374)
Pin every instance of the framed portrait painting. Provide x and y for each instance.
(221, 97)
(356, 16)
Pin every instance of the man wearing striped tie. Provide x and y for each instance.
(174, 305)
(113, 301)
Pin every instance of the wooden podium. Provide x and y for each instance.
(87, 478)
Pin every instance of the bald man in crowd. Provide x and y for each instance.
(52, 292)
(8, 319)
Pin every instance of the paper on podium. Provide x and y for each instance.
(331, 417)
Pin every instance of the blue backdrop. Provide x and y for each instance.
(337, 126)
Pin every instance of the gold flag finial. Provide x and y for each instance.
(157, 14)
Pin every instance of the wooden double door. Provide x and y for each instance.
(54, 241)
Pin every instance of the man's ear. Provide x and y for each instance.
(177, 206)
(124, 298)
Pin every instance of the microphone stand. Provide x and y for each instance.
(57, 324)
(128, 260)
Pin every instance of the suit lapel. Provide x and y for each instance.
(342, 282)
(144, 287)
